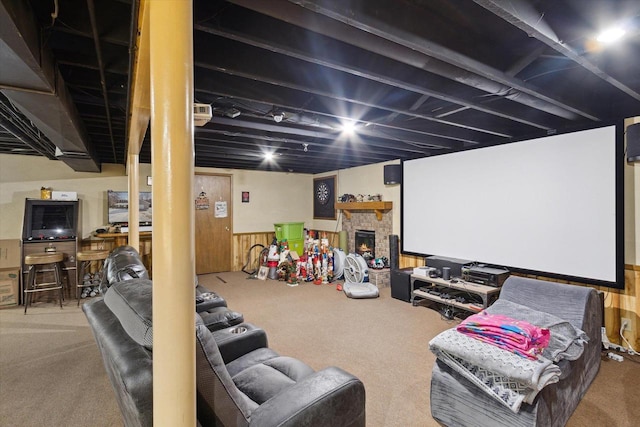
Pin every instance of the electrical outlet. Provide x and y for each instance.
(617, 347)
(625, 323)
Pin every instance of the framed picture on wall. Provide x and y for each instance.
(324, 197)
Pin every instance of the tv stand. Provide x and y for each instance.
(484, 294)
(58, 233)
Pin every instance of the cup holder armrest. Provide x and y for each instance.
(239, 340)
(206, 301)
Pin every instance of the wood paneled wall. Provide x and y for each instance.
(242, 242)
(407, 261)
(624, 303)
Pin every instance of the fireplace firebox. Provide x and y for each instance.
(365, 244)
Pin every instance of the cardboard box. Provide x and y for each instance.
(10, 253)
(64, 195)
(9, 285)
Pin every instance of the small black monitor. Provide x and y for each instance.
(50, 219)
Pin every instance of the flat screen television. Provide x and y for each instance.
(50, 219)
(118, 207)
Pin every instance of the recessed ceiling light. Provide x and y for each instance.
(611, 35)
(348, 127)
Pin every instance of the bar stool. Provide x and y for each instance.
(85, 258)
(34, 261)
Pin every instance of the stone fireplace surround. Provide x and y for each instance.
(367, 220)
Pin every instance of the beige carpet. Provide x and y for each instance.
(51, 374)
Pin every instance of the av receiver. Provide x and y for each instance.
(483, 275)
(439, 262)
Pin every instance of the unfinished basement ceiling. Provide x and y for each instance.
(416, 77)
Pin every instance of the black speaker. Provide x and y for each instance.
(394, 253)
(633, 145)
(401, 284)
(392, 174)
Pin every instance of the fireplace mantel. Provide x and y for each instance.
(378, 207)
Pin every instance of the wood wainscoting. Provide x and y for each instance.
(241, 244)
(243, 241)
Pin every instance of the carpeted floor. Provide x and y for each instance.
(51, 372)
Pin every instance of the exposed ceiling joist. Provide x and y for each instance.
(30, 79)
(418, 78)
(522, 15)
(371, 33)
(265, 39)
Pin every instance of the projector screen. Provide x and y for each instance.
(550, 205)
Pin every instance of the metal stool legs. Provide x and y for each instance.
(85, 258)
(32, 286)
(80, 281)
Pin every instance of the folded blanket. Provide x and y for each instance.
(566, 341)
(517, 336)
(507, 377)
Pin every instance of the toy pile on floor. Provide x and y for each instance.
(314, 265)
(320, 263)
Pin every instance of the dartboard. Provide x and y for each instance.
(322, 193)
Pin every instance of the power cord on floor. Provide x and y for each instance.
(630, 350)
(627, 353)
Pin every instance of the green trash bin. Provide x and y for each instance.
(289, 231)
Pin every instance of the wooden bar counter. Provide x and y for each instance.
(121, 239)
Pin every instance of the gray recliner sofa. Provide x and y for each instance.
(455, 401)
(240, 381)
(124, 263)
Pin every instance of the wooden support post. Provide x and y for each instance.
(172, 154)
(134, 200)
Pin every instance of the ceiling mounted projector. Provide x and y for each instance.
(202, 114)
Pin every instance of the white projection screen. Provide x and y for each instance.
(548, 205)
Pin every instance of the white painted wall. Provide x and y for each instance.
(21, 177)
(275, 197)
(365, 180)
